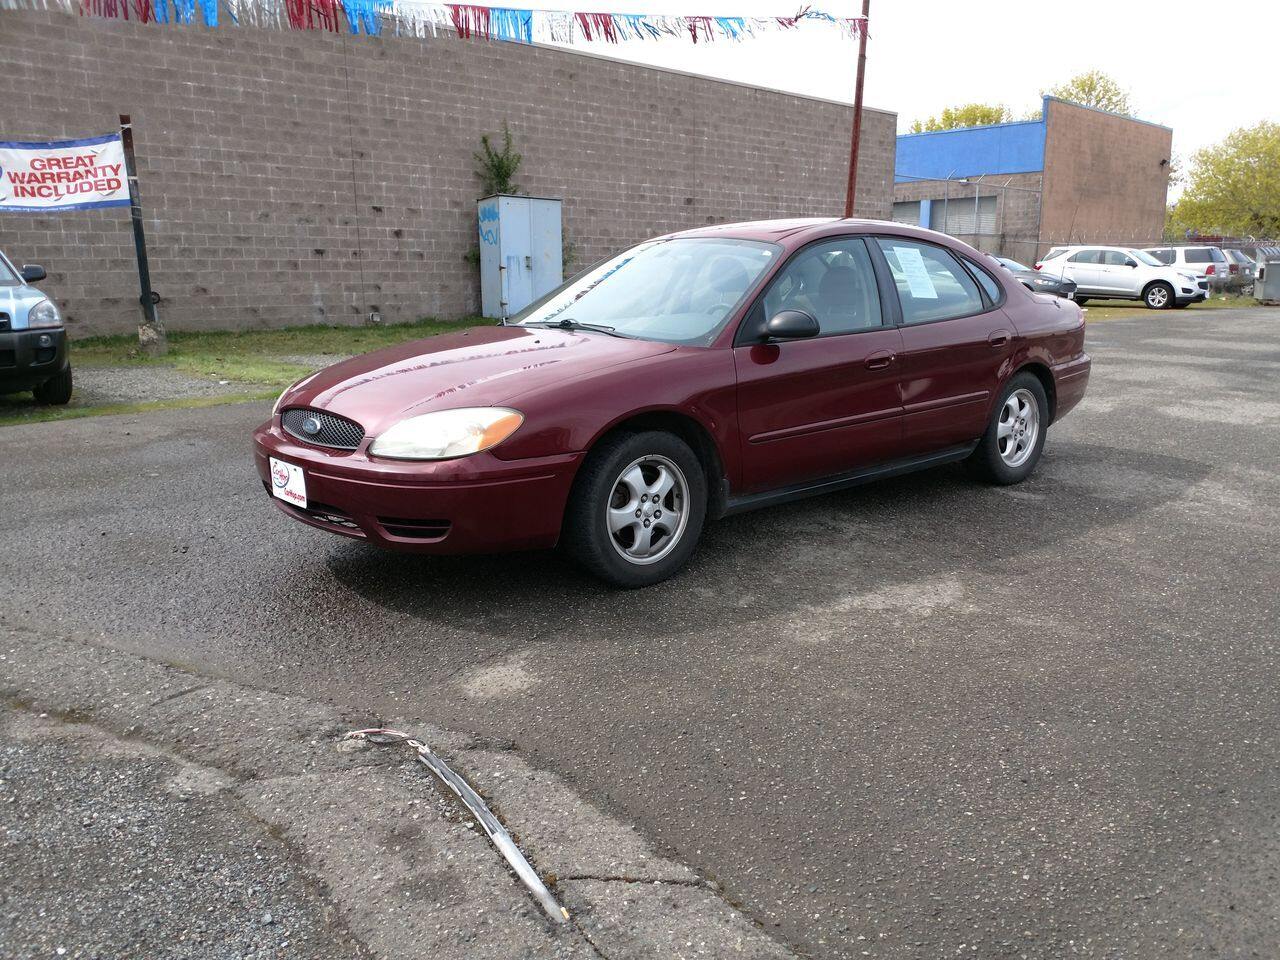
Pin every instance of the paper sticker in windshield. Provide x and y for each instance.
(913, 271)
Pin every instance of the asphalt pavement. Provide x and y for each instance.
(925, 718)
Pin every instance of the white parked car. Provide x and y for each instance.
(1121, 273)
(1207, 263)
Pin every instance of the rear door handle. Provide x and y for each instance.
(878, 361)
(998, 338)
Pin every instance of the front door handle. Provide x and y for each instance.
(998, 338)
(878, 361)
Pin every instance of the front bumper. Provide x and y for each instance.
(476, 504)
(30, 357)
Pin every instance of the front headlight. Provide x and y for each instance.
(44, 314)
(447, 434)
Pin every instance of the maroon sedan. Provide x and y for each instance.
(700, 374)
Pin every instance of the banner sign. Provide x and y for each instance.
(424, 18)
(63, 175)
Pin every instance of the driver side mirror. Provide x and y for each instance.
(791, 325)
(32, 272)
(1131, 263)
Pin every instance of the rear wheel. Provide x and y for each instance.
(1158, 296)
(637, 508)
(56, 390)
(1011, 446)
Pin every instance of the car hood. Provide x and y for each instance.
(16, 301)
(482, 366)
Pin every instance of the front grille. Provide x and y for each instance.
(336, 432)
(415, 529)
(331, 516)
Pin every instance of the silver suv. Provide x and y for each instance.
(1207, 263)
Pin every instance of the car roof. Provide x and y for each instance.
(797, 231)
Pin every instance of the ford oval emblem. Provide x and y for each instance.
(311, 426)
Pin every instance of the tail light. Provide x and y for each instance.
(1234, 268)
(1039, 265)
(1210, 270)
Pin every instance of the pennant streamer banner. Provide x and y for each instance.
(63, 175)
(413, 18)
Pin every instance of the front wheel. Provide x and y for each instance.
(1158, 296)
(57, 390)
(1011, 446)
(637, 508)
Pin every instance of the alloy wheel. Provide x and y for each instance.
(648, 509)
(1018, 427)
(1157, 297)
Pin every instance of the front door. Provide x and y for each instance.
(816, 408)
(1082, 267)
(1118, 273)
(954, 342)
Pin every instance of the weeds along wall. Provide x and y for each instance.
(296, 177)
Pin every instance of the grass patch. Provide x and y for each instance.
(17, 409)
(259, 362)
(1121, 309)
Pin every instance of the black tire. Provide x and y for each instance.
(57, 390)
(1158, 296)
(987, 461)
(598, 487)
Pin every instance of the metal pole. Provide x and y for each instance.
(151, 331)
(857, 111)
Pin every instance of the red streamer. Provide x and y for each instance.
(597, 26)
(468, 20)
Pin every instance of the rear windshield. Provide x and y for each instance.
(1164, 255)
(1205, 255)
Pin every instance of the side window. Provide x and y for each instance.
(1086, 256)
(931, 283)
(1114, 258)
(833, 282)
(985, 280)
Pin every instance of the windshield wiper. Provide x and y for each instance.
(568, 323)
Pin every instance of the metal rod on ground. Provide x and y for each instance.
(857, 111)
(151, 331)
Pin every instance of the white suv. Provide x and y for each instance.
(1207, 263)
(1120, 273)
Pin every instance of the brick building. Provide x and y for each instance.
(297, 176)
(1076, 175)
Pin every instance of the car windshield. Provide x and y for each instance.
(677, 291)
(1015, 265)
(1143, 257)
(8, 277)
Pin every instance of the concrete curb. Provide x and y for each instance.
(408, 871)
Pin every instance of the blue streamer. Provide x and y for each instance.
(160, 10)
(184, 11)
(366, 13)
(732, 27)
(209, 11)
(507, 23)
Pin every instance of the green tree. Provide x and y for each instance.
(965, 115)
(496, 169)
(1233, 187)
(1094, 89)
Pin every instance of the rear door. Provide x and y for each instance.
(955, 338)
(1082, 267)
(809, 409)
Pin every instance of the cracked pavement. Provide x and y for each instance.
(917, 719)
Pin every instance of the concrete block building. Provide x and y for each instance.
(1075, 175)
(301, 176)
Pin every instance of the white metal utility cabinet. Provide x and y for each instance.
(521, 255)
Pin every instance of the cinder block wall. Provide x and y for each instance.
(1103, 181)
(299, 177)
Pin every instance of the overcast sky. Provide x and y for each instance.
(1198, 67)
